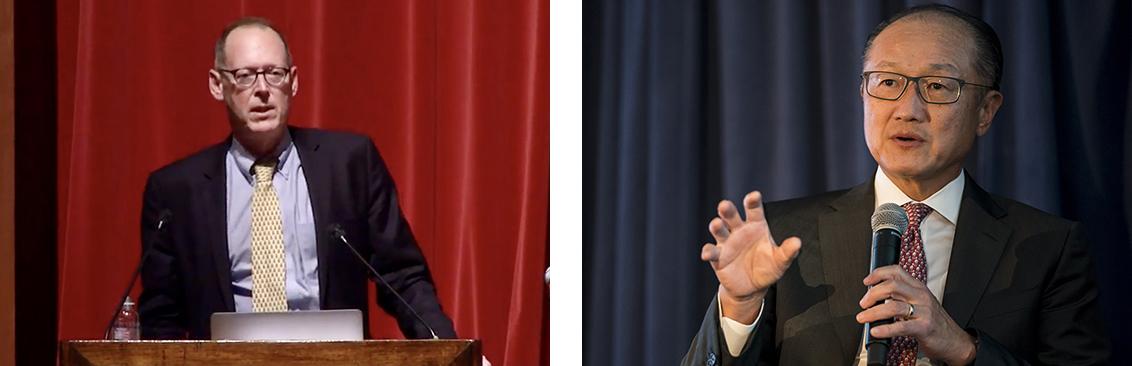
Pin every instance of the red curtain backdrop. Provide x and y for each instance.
(455, 94)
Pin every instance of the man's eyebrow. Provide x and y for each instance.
(254, 68)
(946, 67)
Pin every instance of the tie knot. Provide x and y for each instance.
(916, 212)
(264, 170)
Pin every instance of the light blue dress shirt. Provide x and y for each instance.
(300, 255)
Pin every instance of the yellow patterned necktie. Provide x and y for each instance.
(268, 275)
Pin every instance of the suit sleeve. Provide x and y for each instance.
(161, 307)
(1069, 327)
(398, 257)
(710, 348)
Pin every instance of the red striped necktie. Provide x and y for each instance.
(913, 260)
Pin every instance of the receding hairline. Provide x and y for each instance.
(948, 21)
(981, 40)
(220, 56)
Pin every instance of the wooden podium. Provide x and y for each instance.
(456, 352)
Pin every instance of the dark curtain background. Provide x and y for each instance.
(454, 93)
(690, 102)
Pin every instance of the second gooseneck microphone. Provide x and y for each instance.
(337, 233)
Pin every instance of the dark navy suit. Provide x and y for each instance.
(187, 276)
(1020, 279)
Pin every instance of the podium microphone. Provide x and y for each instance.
(163, 219)
(889, 222)
(336, 232)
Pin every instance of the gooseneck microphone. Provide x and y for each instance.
(337, 233)
(163, 220)
(889, 222)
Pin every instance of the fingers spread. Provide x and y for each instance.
(753, 204)
(789, 249)
(709, 253)
(718, 230)
(730, 215)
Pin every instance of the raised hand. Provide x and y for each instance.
(746, 259)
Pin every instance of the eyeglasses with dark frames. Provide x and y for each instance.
(932, 89)
(246, 77)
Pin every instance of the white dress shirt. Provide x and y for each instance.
(937, 231)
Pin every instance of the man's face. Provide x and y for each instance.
(260, 108)
(909, 138)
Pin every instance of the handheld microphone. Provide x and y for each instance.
(337, 233)
(889, 222)
(163, 219)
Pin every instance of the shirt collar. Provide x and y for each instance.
(945, 201)
(245, 159)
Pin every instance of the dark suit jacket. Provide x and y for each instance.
(187, 275)
(1019, 278)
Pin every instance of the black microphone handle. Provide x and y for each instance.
(340, 234)
(885, 252)
(161, 223)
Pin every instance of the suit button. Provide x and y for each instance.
(711, 359)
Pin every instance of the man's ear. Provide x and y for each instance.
(987, 109)
(215, 85)
(294, 80)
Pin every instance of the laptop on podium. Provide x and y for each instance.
(319, 325)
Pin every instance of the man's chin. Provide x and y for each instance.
(903, 169)
(264, 126)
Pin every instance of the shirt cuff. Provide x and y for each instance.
(735, 334)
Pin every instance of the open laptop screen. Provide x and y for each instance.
(322, 325)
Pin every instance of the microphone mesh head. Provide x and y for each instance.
(890, 216)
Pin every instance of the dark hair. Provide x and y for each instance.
(244, 22)
(988, 61)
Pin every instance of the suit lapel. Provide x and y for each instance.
(214, 211)
(980, 239)
(844, 238)
(318, 184)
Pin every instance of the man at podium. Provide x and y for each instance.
(256, 223)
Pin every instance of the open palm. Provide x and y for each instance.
(745, 257)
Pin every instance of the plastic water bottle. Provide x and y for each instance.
(126, 325)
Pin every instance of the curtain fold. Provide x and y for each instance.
(454, 93)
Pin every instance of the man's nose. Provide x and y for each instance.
(260, 89)
(911, 106)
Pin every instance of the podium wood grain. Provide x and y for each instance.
(458, 352)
